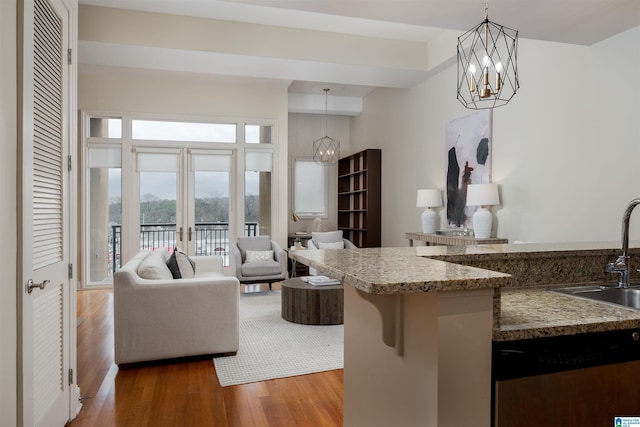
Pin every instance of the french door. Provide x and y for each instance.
(182, 199)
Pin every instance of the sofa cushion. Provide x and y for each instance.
(258, 243)
(165, 253)
(331, 245)
(253, 256)
(209, 275)
(261, 268)
(180, 265)
(326, 237)
(154, 267)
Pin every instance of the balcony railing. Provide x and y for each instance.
(211, 238)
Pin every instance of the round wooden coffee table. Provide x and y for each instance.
(312, 305)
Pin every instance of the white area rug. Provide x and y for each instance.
(271, 347)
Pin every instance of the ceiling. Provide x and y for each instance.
(582, 22)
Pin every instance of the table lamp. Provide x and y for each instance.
(429, 199)
(482, 195)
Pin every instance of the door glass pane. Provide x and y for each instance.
(257, 134)
(158, 195)
(211, 213)
(105, 217)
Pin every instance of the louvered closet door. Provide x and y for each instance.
(45, 212)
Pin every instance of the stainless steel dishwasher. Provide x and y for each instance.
(574, 380)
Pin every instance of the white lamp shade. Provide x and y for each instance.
(429, 199)
(482, 195)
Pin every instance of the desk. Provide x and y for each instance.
(443, 239)
(294, 268)
(291, 238)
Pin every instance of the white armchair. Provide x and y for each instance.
(168, 318)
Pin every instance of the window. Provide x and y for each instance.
(105, 127)
(257, 178)
(183, 131)
(310, 189)
(257, 134)
(104, 211)
(162, 181)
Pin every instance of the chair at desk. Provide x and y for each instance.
(328, 240)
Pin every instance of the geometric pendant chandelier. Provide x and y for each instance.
(326, 150)
(487, 64)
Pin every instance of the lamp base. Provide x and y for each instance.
(482, 222)
(429, 221)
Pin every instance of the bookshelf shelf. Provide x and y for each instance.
(359, 202)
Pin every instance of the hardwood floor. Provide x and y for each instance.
(187, 392)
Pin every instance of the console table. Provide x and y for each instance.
(443, 239)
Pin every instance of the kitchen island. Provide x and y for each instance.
(420, 322)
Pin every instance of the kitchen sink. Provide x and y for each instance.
(606, 293)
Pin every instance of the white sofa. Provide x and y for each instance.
(167, 318)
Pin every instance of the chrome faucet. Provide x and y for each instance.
(621, 265)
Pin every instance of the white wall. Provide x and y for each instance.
(565, 149)
(303, 130)
(8, 219)
(122, 90)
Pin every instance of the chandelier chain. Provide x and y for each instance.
(326, 109)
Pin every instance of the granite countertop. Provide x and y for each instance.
(527, 313)
(526, 308)
(398, 270)
(523, 250)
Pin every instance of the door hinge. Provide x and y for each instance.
(70, 376)
(69, 56)
(69, 163)
(70, 271)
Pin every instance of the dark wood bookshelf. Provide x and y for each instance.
(359, 200)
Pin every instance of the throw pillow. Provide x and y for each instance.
(254, 256)
(185, 256)
(164, 252)
(257, 243)
(332, 245)
(154, 267)
(180, 265)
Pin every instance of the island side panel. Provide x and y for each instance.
(382, 388)
(433, 371)
(465, 330)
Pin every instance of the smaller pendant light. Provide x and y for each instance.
(326, 150)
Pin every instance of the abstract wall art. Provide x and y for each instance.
(468, 148)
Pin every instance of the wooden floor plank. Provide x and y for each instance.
(186, 392)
